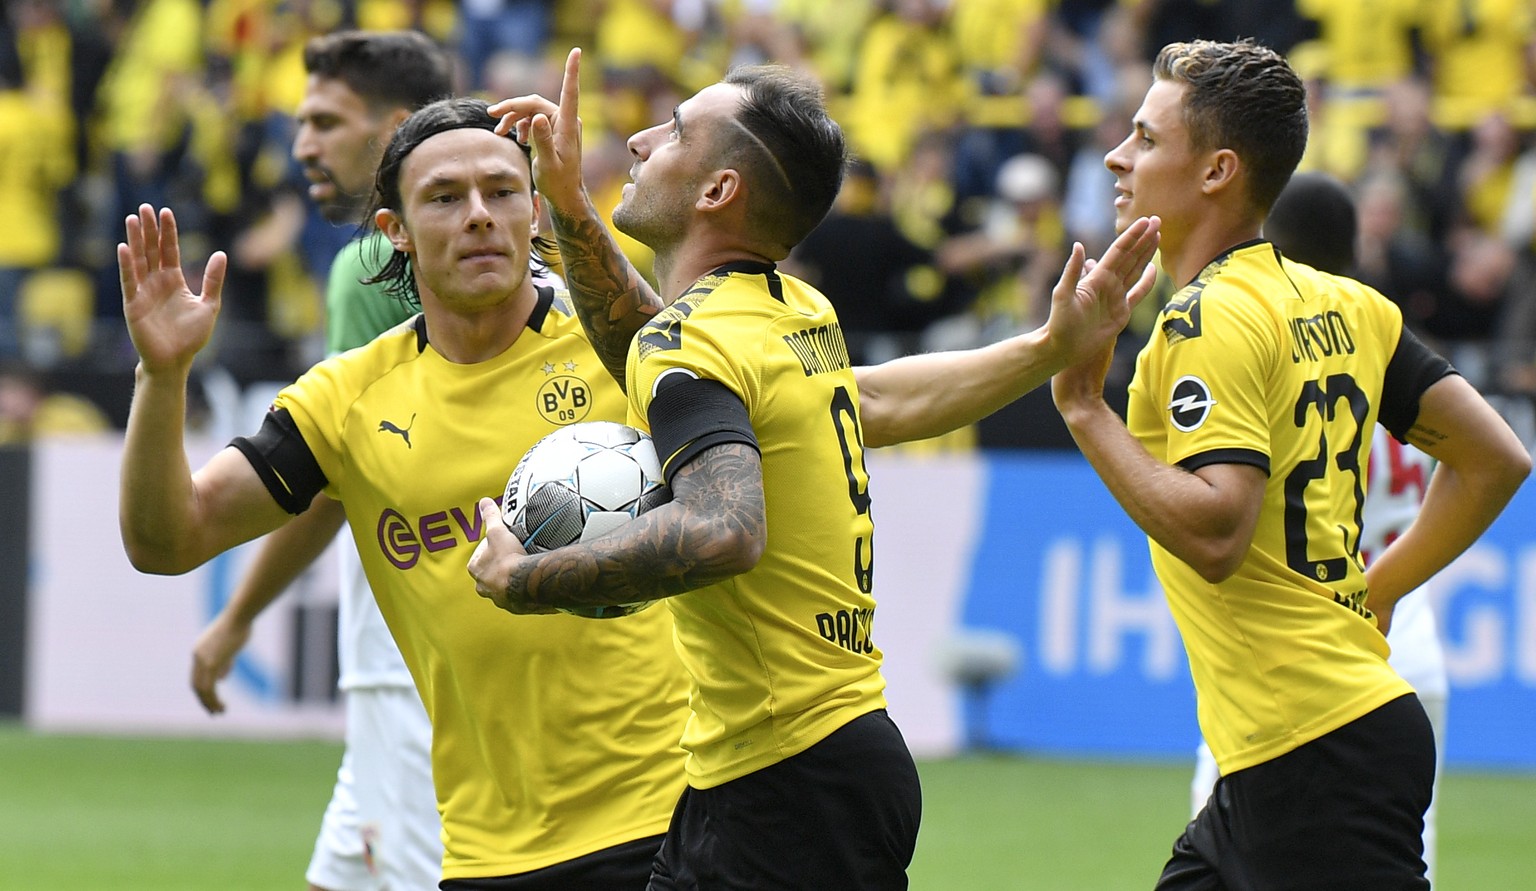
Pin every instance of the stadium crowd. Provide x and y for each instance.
(980, 128)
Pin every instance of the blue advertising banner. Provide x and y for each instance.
(1102, 670)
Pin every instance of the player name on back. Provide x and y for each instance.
(820, 349)
(1323, 335)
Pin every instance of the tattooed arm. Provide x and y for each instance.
(612, 299)
(1481, 465)
(714, 528)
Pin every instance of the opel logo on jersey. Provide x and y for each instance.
(1190, 403)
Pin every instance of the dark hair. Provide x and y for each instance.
(1313, 222)
(1245, 97)
(423, 124)
(800, 151)
(388, 69)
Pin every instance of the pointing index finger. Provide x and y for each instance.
(570, 90)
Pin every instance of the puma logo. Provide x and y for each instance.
(404, 434)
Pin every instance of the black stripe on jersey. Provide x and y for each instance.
(689, 415)
(752, 267)
(1414, 367)
(1226, 456)
(421, 332)
(541, 306)
(282, 459)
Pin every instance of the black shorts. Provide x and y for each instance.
(1344, 811)
(625, 867)
(842, 814)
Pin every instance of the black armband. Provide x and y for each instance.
(1413, 369)
(689, 415)
(284, 462)
(1251, 457)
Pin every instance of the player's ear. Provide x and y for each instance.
(1221, 170)
(538, 214)
(393, 227)
(722, 188)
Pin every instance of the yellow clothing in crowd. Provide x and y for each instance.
(138, 98)
(1367, 42)
(1479, 49)
(39, 161)
(908, 82)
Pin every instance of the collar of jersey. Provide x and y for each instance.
(746, 267)
(1252, 242)
(546, 299)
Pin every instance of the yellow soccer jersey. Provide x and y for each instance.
(1272, 363)
(782, 655)
(553, 736)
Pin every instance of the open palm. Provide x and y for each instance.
(167, 322)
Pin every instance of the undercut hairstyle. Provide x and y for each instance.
(439, 117)
(788, 150)
(1314, 222)
(1244, 97)
(388, 69)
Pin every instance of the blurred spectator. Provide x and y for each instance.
(1045, 132)
(1393, 257)
(907, 82)
(1484, 281)
(35, 131)
(1367, 44)
(885, 288)
(1481, 56)
(28, 410)
(1488, 172)
(144, 124)
(1409, 142)
(1016, 255)
(1001, 42)
(922, 194)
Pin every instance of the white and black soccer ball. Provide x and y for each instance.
(579, 483)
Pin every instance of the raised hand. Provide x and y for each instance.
(1092, 301)
(167, 322)
(554, 132)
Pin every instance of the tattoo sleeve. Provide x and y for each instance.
(612, 299)
(713, 529)
(1425, 437)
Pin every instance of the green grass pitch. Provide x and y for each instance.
(170, 814)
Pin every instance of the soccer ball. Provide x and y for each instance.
(579, 483)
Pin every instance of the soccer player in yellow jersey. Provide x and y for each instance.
(380, 829)
(1243, 457)
(554, 740)
(797, 778)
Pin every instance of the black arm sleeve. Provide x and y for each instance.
(1414, 367)
(284, 462)
(690, 415)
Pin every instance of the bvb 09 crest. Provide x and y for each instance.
(564, 399)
